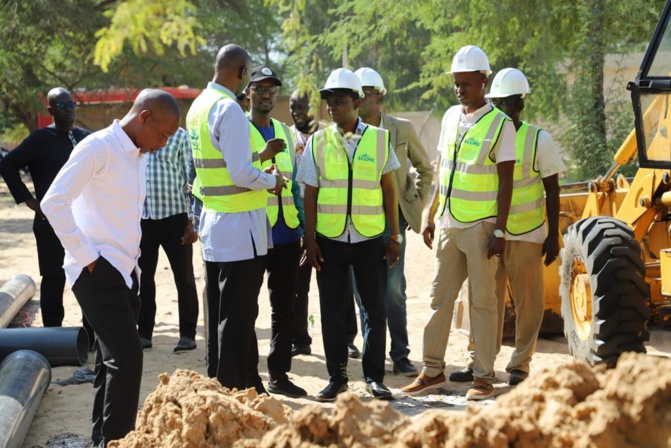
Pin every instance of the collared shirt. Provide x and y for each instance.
(95, 203)
(308, 172)
(44, 152)
(548, 163)
(301, 141)
(503, 151)
(166, 178)
(227, 237)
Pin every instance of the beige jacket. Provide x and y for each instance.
(413, 191)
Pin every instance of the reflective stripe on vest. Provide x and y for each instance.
(213, 184)
(350, 189)
(284, 162)
(467, 173)
(526, 207)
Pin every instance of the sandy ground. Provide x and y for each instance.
(64, 413)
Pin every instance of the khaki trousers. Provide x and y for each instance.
(522, 267)
(461, 254)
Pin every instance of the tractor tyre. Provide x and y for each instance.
(603, 290)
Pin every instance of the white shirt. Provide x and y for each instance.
(548, 163)
(503, 151)
(308, 173)
(227, 237)
(95, 203)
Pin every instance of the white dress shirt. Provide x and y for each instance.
(95, 203)
(227, 237)
(503, 151)
(308, 173)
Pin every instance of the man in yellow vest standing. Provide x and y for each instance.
(536, 174)
(233, 224)
(477, 147)
(349, 193)
(285, 213)
(412, 196)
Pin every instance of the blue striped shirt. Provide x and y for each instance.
(167, 193)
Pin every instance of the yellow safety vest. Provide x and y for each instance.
(350, 189)
(526, 208)
(213, 184)
(284, 162)
(468, 176)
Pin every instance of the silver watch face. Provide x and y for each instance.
(499, 233)
(399, 238)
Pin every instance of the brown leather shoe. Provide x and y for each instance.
(480, 390)
(424, 383)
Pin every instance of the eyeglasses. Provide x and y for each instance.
(62, 105)
(263, 90)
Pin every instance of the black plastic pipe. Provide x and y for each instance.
(24, 376)
(61, 346)
(13, 296)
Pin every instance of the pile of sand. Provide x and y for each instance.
(571, 405)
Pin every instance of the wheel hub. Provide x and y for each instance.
(581, 299)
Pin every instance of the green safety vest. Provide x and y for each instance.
(284, 162)
(213, 184)
(526, 208)
(350, 189)
(468, 176)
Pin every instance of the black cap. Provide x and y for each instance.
(264, 72)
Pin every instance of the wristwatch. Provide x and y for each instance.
(498, 233)
(398, 238)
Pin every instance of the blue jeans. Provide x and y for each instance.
(394, 301)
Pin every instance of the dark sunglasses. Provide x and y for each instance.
(262, 90)
(241, 97)
(62, 105)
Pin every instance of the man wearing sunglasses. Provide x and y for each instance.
(275, 144)
(233, 225)
(45, 151)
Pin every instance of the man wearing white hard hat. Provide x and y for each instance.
(528, 237)
(477, 148)
(412, 196)
(349, 194)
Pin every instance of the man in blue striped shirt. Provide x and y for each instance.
(167, 224)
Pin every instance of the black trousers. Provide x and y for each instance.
(167, 233)
(282, 266)
(112, 308)
(370, 270)
(233, 305)
(50, 255)
(301, 335)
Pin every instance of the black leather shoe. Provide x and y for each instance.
(301, 350)
(517, 376)
(146, 343)
(286, 387)
(185, 344)
(462, 376)
(331, 391)
(404, 367)
(352, 351)
(379, 391)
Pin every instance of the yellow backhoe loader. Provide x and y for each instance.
(615, 273)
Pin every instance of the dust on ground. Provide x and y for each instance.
(568, 406)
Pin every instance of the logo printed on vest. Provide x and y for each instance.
(472, 141)
(366, 158)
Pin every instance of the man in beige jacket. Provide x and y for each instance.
(412, 195)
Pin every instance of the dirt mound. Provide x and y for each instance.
(190, 410)
(570, 406)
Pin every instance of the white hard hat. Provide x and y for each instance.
(342, 78)
(470, 59)
(371, 78)
(507, 82)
